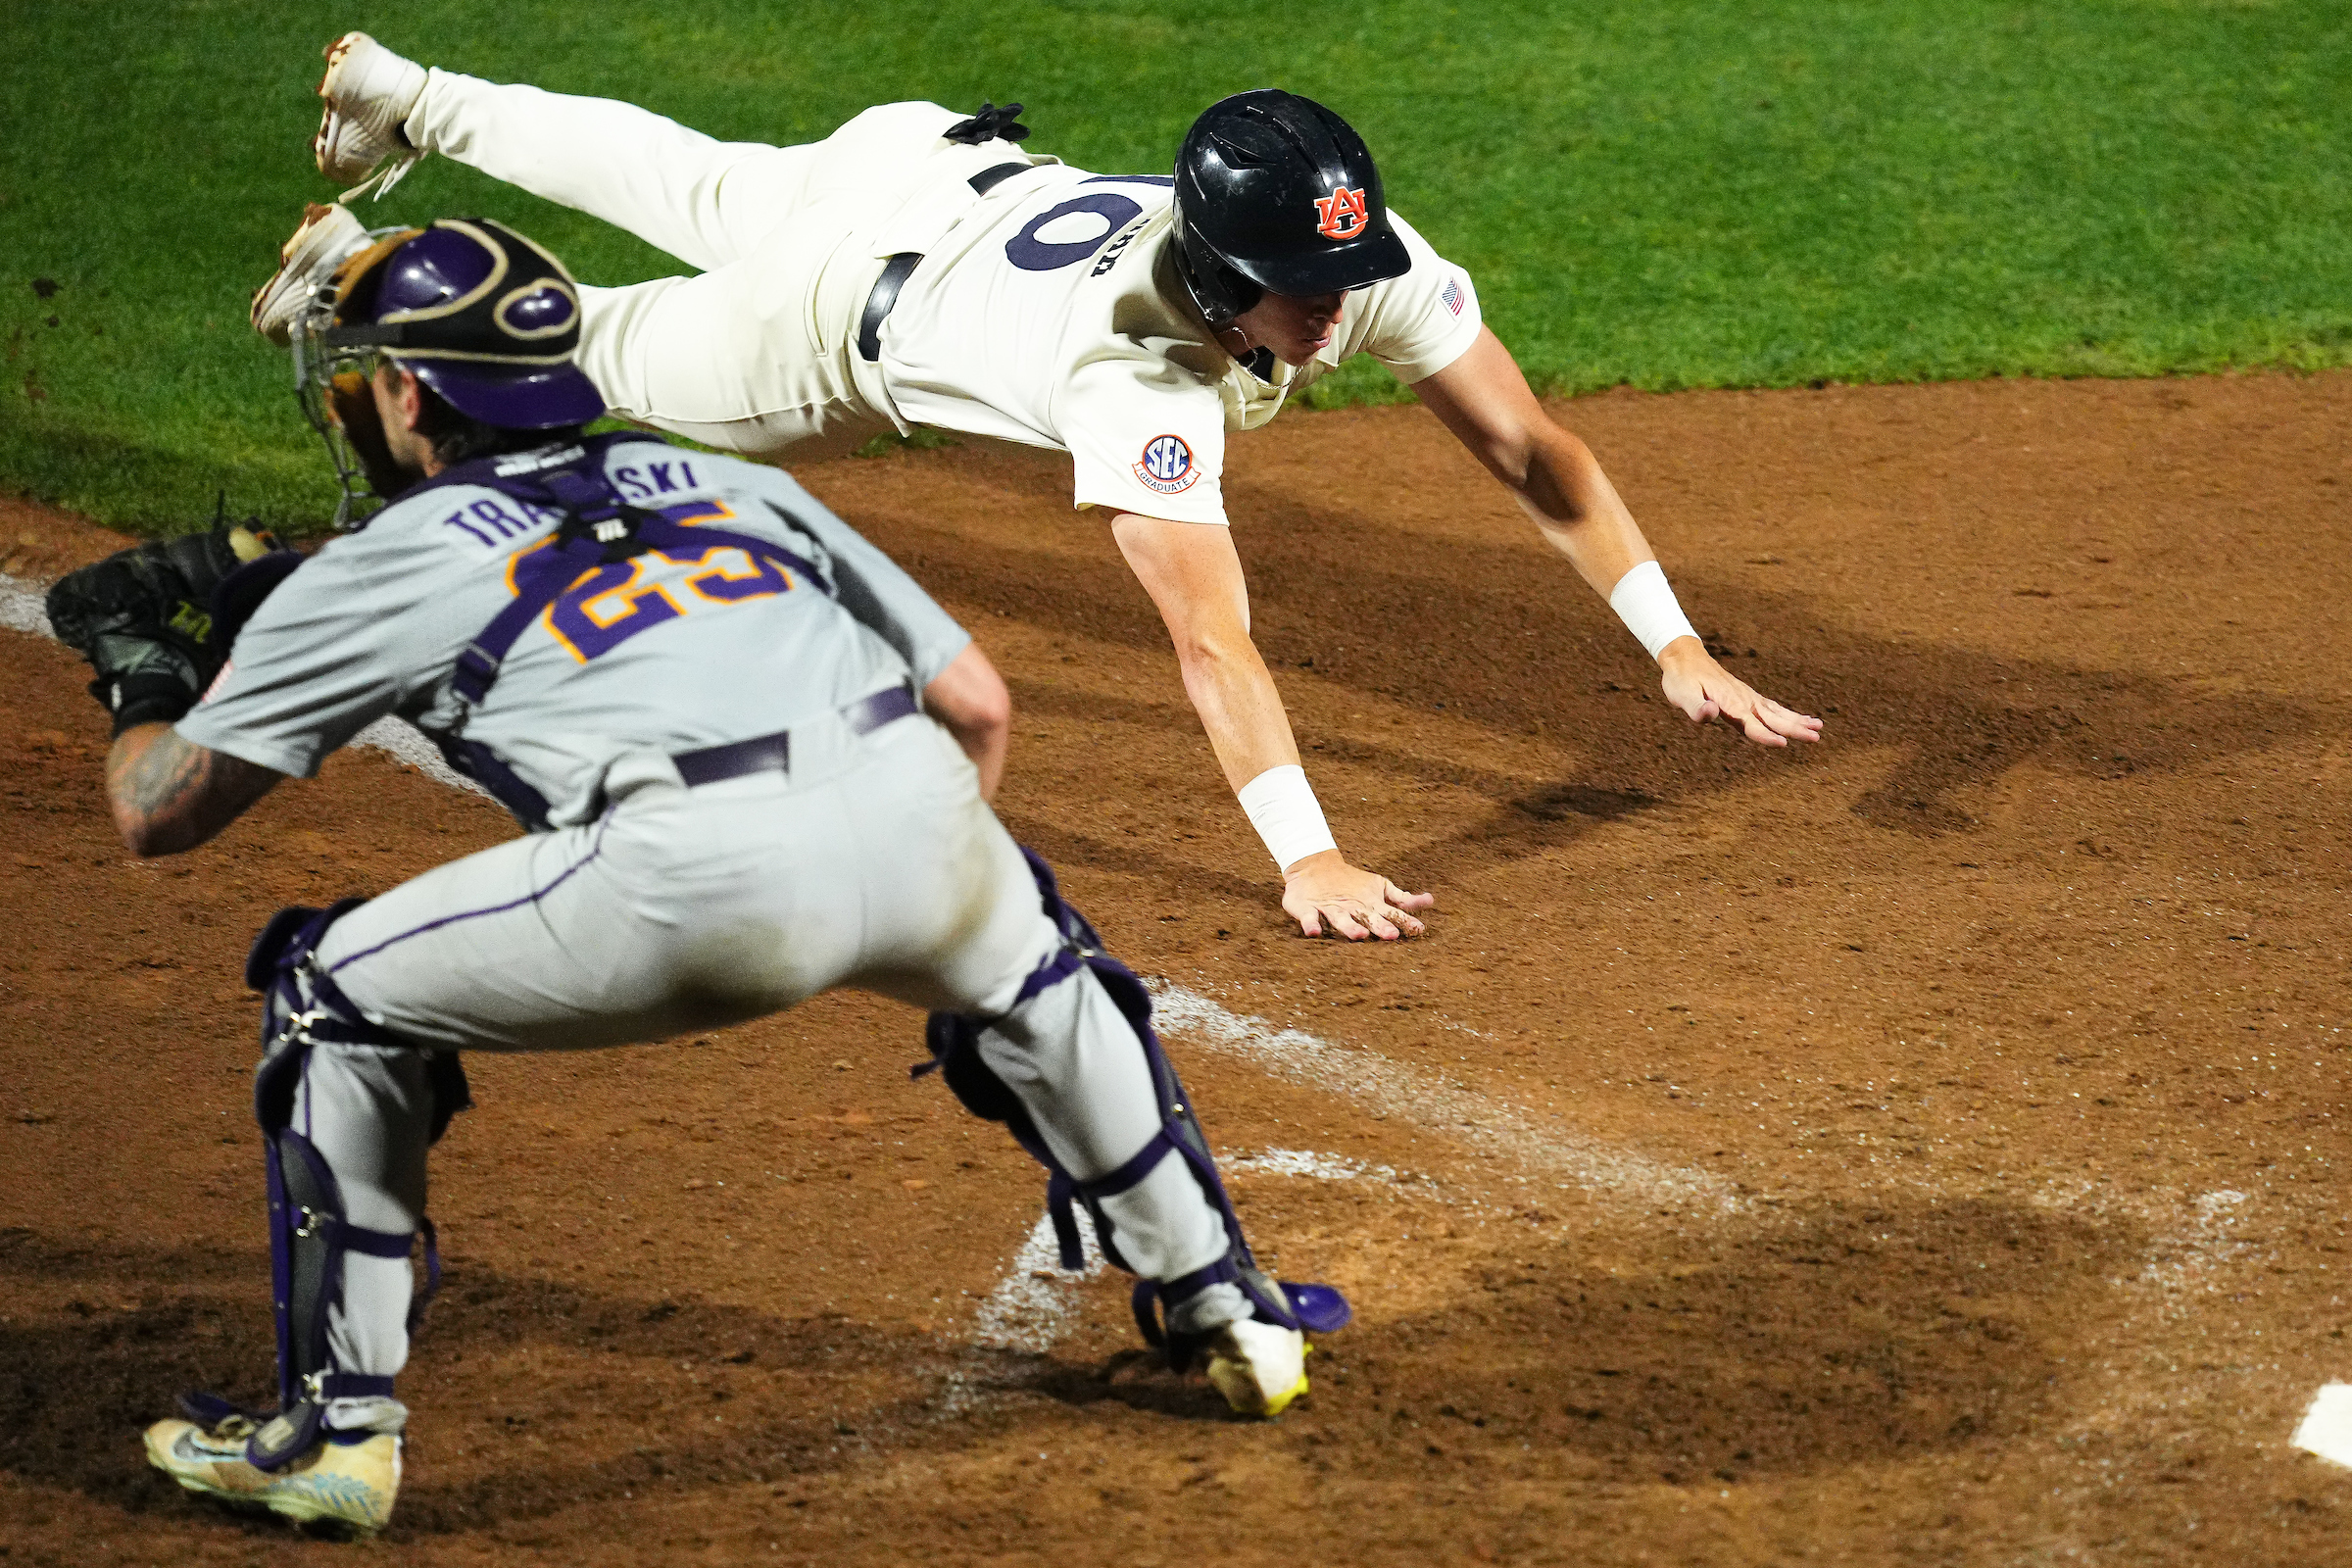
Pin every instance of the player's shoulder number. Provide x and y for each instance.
(1071, 231)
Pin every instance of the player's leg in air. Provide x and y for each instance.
(755, 354)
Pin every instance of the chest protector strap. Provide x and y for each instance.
(598, 529)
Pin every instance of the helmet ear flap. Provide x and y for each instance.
(1217, 289)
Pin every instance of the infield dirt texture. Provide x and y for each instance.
(1924, 1148)
(1929, 1147)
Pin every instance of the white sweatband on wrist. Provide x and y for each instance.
(1282, 807)
(1648, 606)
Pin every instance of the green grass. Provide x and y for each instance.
(1660, 194)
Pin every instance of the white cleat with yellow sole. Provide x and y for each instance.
(1259, 1367)
(342, 1484)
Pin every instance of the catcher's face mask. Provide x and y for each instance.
(331, 382)
(483, 316)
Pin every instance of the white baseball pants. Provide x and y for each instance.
(758, 351)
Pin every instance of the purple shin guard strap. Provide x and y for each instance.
(302, 1424)
(354, 1385)
(1145, 1160)
(432, 1273)
(281, 1264)
(1059, 1190)
(1184, 1287)
(1048, 974)
(1143, 1302)
(374, 1243)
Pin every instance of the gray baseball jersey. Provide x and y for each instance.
(654, 906)
(669, 652)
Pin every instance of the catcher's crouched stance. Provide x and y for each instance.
(756, 761)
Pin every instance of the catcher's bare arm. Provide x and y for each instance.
(168, 795)
(1483, 400)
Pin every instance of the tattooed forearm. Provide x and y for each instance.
(170, 795)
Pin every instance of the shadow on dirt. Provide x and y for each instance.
(1456, 627)
(645, 1398)
(1828, 1335)
(1816, 1337)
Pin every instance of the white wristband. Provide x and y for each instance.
(1648, 606)
(1282, 807)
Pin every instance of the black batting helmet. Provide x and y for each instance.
(1277, 194)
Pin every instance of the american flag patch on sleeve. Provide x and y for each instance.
(1452, 295)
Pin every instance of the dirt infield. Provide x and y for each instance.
(1922, 1148)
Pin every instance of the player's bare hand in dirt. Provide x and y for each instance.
(1704, 690)
(1324, 892)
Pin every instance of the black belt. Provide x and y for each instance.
(713, 765)
(893, 276)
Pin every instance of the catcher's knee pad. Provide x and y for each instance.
(955, 1040)
(310, 1235)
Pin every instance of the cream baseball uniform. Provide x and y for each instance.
(1046, 310)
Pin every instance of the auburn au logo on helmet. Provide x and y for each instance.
(1342, 214)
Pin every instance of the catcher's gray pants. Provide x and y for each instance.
(875, 864)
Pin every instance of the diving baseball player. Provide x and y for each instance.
(755, 758)
(917, 267)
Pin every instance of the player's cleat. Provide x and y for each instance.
(329, 235)
(1259, 1367)
(369, 92)
(342, 1484)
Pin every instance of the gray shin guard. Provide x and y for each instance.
(310, 1233)
(954, 1049)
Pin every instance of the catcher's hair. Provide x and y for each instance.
(456, 437)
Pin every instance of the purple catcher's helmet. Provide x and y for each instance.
(480, 314)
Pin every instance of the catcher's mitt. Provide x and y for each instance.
(143, 618)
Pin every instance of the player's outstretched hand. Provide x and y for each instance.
(1323, 892)
(1704, 690)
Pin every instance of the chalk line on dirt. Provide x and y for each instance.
(1429, 1100)
(1034, 1305)
(23, 606)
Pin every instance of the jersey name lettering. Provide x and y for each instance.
(655, 481)
(489, 521)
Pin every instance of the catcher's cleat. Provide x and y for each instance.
(340, 1484)
(329, 235)
(369, 92)
(1259, 1367)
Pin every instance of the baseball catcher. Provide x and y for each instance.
(550, 606)
(923, 267)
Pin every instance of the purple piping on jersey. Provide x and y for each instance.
(594, 851)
